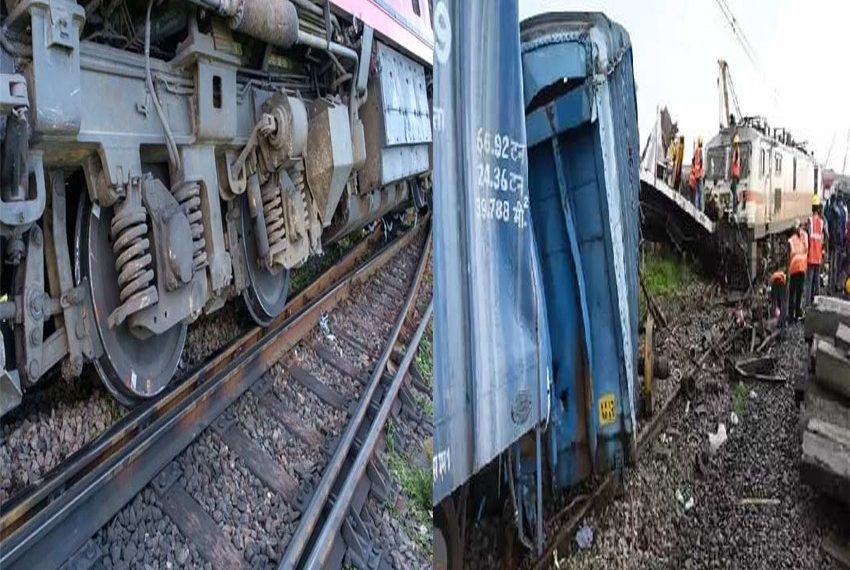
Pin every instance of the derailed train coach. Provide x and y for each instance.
(161, 158)
(536, 368)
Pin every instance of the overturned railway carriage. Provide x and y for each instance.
(536, 381)
(160, 159)
(778, 179)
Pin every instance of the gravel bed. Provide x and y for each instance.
(210, 333)
(141, 535)
(53, 422)
(345, 351)
(255, 519)
(287, 450)
(649, 526)
(304, 357)
(307, 405)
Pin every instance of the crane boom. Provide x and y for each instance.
(724, 93)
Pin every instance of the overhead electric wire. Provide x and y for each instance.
(829, 152)
(745, 44)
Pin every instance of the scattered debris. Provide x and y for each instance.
(325, 327)
(825, 459)
(759, 368)
(753, 394)
(686, 504)
(584, 536)
(716, 440)
(733, 419)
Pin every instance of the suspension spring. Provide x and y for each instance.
(188, 195)
(273, 212)
(133, 261)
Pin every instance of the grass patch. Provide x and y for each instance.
(666, 273)
(426, 404)
(316, 265)
(741, 396)
(424, 360)
(415, 480)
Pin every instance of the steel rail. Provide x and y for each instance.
(324, 540)
(44, 527)
(16, 508)
(310, 518)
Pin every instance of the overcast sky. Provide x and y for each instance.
(801, 46)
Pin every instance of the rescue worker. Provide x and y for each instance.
(836, 237)
(777, 294)
(695, 177)
(735, 171)
(817, 232)
(797, 260)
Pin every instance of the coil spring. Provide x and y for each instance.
(188, 195)
(273, 212)
(132, 249)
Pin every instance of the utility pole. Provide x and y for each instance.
(846, 148)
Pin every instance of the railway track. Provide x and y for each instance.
(318, 383)
(62, 417)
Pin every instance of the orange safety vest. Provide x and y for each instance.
(778, 277)
(815, 240)
(799, 257)
(696, 168)
(736, 164)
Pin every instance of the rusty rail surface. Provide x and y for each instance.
(45, 525)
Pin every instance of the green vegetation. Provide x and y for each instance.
(666, 273)
(316, 265)
(741, 395)
(426, 404)
(414, 480)
(113, 409)
(424, 360)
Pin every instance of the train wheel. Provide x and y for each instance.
(132, 369)
(266, 293)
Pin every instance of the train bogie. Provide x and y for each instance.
(158, 161)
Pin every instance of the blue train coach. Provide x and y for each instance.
(536, 261)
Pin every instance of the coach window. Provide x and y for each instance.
(794, 177)
(763, 162)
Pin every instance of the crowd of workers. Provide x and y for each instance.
(810, 243)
